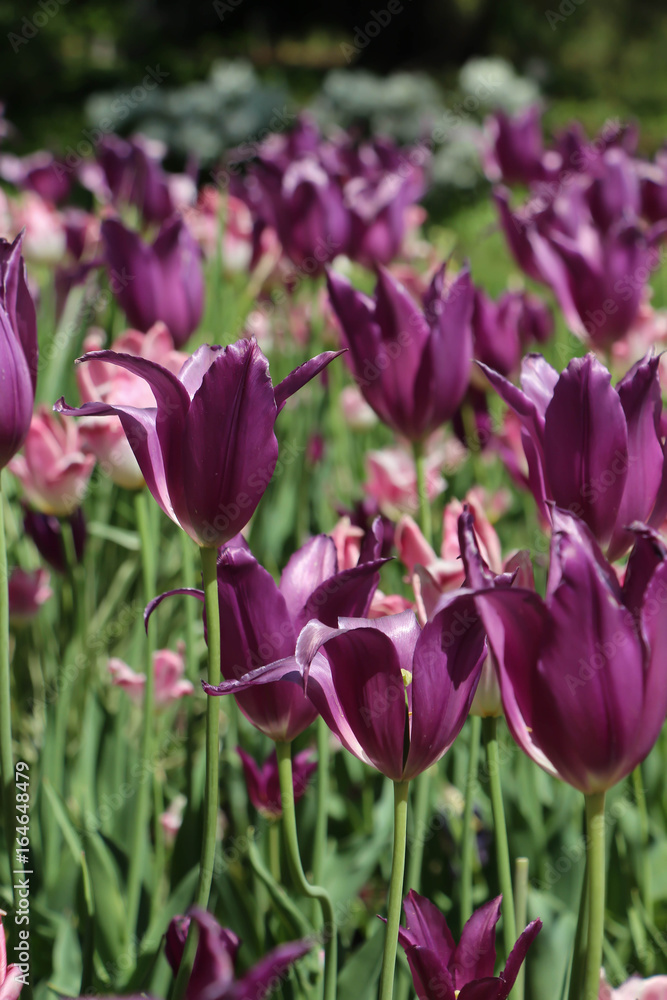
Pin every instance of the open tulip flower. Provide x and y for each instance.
(213, 976)
(592, 652)
(442, 969)
(411, 364)
(208, 448)
(593, 448)
(18, 351)
(374, 680)
(635, 988)
(261, 622)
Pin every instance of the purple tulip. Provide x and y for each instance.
(395, 695)
(40, 172)
(501, 330)
(264, 785)
(442, 969)
(514, 151)
(46, 532)
(161, 281)
(18, 351)
(261, 623)
(212, 976)
(311, 220)
(412, 365)
(592, 448)
(592, 652)
(653, 186)
(133, 175)
(208, 449)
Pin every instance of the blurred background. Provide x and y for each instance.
(225, 66)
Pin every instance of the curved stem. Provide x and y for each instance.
(490, 730)
(274, 849)
(595, 835)
(395, 889)
(422, 492)
(520, 912)
(284, 752)
(321, 822)
(640, 799)
(209, 572)
(468, 836)
(142, 808)
(6, 750)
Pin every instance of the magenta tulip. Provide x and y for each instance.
(18, 351)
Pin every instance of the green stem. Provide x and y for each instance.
(274, 850)
(6, 750)
(490, 731)
(595, 835)
(520, 912)
(640, 799)
(580, 941)
(211, 790)
(284, 752)
(142, 807)
(468, 835)
(422, 492)
(321, 822)
(395, 889)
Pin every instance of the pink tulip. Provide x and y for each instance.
(53, 470)
(104, 436)
(347, 539)
(392, 479)
(27, 592)
(11, 976)
(356, 411)
(45, 238)
(634, 988)
(168, 668)
(171, 819)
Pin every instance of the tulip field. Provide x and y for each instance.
(333, 570)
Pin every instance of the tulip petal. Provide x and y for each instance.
(648, 552)
(444, 372)
(475, 955)
(302, 375)
(447, 663)
(157, 601)
(231, 417)
(196, 366)
(515, 621)
(262, 978)
(430, 976)
(654, 633)
(517, 957)
(426, 927)
(586, 446)
(306, 569)
(538, 381)
(641, 399)
(346, 594)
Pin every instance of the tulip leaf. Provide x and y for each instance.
(119, 536)
(361, 973)
(111, 916)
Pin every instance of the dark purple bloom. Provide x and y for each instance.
(261, 622)
(208, 448)
(502, 330)
(159, 281)
(653, 187)
(412, 365)
(18, 351)
(514, 151)
(263, 782)
(592, 448)
(583, 673)
(133, 175)
(40, 172)
(395, 695)
(46, 532)
(213, 976)
(442, 969)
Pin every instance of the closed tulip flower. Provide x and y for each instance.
(159, 281)
(53, 470)
(18, 351)
(261, 623)
(263, 782)
(411, 364)
(208, 448)
(592, 651)
(592, 448)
